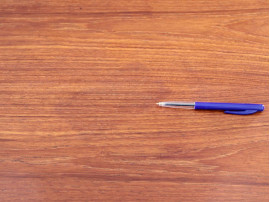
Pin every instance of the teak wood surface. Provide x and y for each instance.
(79, 80)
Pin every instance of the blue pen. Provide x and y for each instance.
(228, 108)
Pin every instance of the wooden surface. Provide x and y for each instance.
(78, 85)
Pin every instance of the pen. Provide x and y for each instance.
(228, 108)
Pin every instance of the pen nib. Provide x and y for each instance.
(161, 104)
(175, 104)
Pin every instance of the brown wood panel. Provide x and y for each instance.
(78, 85)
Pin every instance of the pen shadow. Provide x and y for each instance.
(222, 111)
(205, 111)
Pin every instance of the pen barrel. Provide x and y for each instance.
(228, 106)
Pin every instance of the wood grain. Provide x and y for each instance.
(78, 85)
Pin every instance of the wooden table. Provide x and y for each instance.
(78, 85)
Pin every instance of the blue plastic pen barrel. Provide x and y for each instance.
(230, 108)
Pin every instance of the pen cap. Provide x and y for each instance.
(230, 108)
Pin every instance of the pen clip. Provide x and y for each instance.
(244, 112)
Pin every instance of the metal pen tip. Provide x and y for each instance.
(161, 104)
(175, 104)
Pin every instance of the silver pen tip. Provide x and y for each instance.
(176, 104)
(161, 104)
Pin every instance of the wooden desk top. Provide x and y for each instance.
(78, 85)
